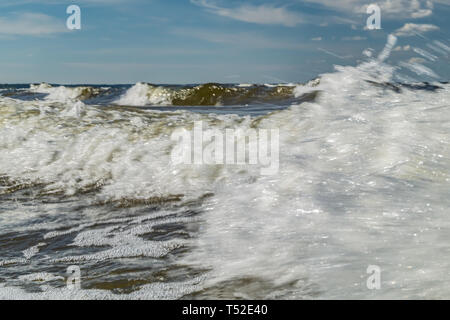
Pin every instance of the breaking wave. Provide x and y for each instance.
(65, 94)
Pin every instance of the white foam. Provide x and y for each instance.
(40, 277)
(62, 93)
(363, 181)
(123, 242)
(153, 291)
(31, 252)
(128, 159)
(142, 94)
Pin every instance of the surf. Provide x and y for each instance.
(363, 180)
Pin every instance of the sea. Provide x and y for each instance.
(92, 205)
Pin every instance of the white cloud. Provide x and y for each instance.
(32, 24)
(263, 14)
(356, 38)
(404, 48)
(317, 39)
(416, 60)
(389, 8)
(412, 29)
(422, 13)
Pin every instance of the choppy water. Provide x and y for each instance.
(86, 179)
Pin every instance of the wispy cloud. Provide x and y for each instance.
(416, 60)
(32, 24)
(262, 14)
(412, 29)
(422, 13)
(389, 8)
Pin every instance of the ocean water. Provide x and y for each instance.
(86, 179)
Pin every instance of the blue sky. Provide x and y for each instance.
(197, 41)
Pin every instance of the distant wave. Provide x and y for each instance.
(145, 94)
(364, 179)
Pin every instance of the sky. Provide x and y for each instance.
(199, 41)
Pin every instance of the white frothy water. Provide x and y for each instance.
(363, 180)
(127, 154)
(64, 94)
